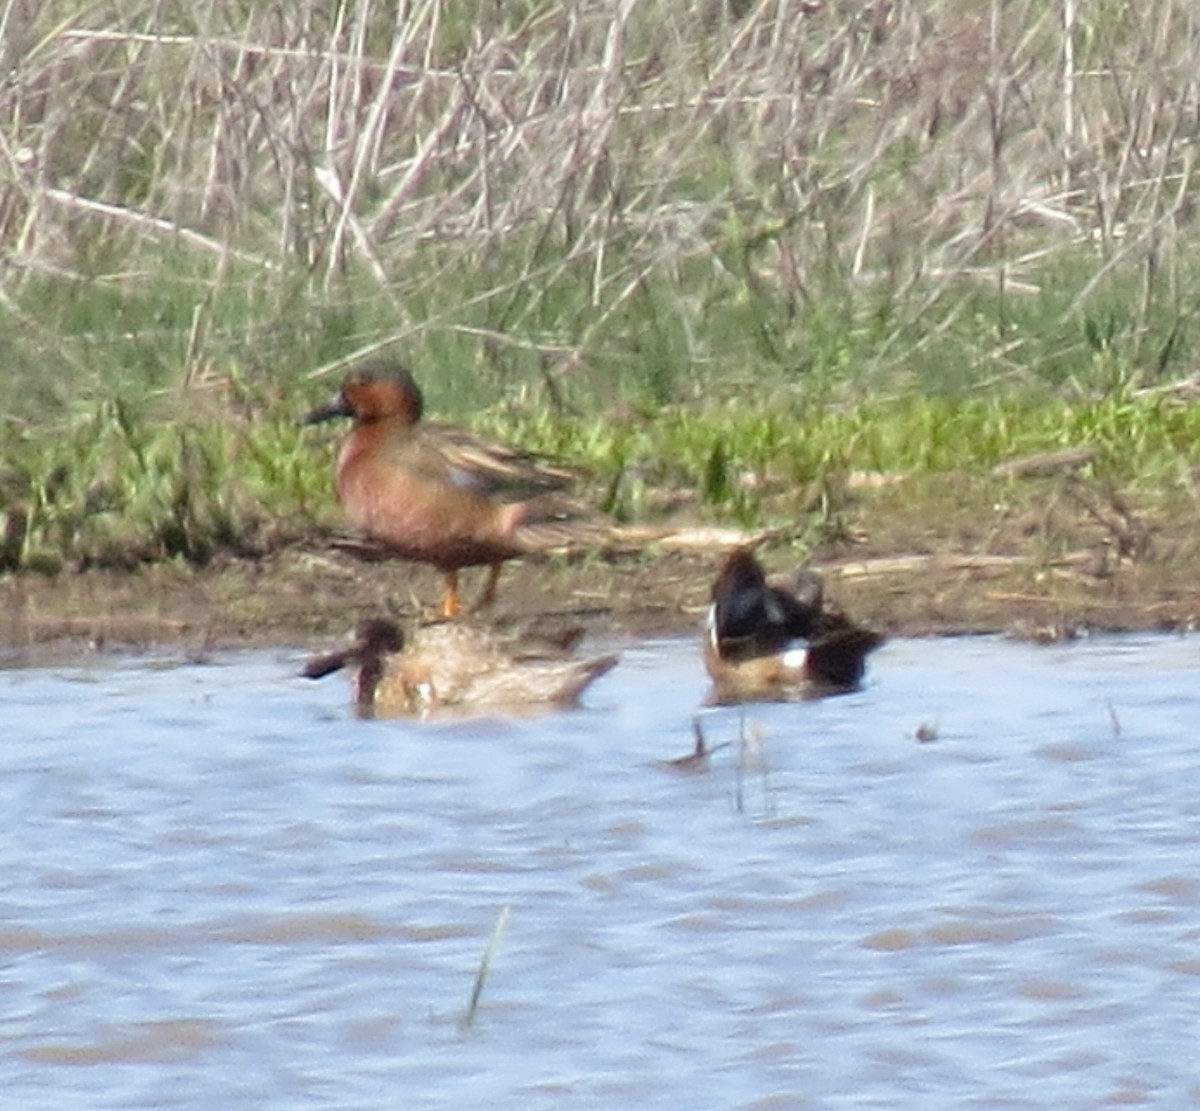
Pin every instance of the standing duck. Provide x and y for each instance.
(775, 638)
(434, 493)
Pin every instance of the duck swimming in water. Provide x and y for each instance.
(451, 666)
(776, 638)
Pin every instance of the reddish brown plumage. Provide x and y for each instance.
(431, 492)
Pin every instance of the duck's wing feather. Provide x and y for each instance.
(447, 453)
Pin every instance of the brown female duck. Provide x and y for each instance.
(450, 666)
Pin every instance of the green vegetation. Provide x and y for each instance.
(722, 255)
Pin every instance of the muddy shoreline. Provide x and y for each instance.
(306, 595)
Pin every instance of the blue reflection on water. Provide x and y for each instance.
(219, 888)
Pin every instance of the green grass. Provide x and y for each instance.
(698, 391)
(778, 254)
(225, 469)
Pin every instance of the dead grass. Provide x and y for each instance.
(900, 152)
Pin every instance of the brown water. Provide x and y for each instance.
(219, 890)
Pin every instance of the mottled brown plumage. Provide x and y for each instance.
(451, 666)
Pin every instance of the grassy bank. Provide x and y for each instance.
(725, 258)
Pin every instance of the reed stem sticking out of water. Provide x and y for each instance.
(481, 976)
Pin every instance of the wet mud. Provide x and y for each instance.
(903, 582)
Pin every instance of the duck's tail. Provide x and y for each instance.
(554, 524)
(839, 656)
(558, 683)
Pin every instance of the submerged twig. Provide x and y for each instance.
(750, 759)
(698, 759)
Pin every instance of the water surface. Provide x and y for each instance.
(220, 890)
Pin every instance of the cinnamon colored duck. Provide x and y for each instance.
(434, 493)
(776, 638)
(451, 666)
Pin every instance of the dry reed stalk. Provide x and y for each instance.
(902, 149)
(484, 965)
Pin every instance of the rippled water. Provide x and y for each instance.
(219, 890)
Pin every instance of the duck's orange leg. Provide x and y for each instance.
(489, 588)
(451, 605)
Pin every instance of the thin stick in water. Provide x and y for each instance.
(481, 976)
